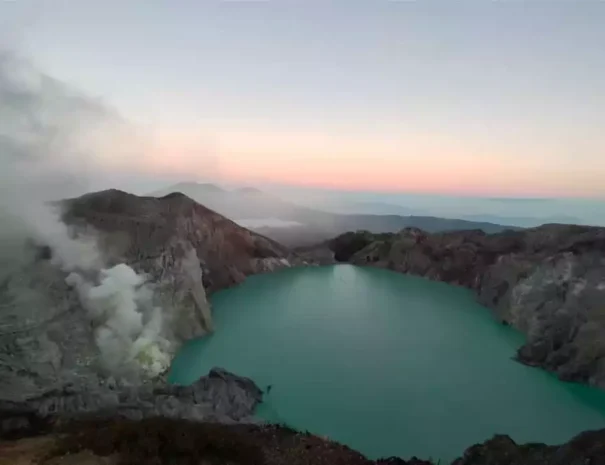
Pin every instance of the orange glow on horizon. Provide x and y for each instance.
(421, 163)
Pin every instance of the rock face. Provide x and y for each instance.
(180, 248)
(151, 234)
(586, 448)
(549, 282)
(218, 397)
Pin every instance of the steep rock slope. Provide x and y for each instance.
(141, 229)
(549, 282)
(50, 338)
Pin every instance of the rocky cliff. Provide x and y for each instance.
(152, 233)
(549, 282)
(129, 289)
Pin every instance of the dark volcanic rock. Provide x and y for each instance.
(112, 440)
(115, 441)
(549, 282)
(346, 245)
(219, 396)
(587, 448)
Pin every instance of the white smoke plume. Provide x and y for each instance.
(128, 326)
(51, 140)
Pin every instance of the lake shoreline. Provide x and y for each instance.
(548, 282)
(299, 331)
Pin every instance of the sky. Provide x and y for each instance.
(454, 97)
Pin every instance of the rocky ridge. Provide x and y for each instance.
(548, 282)
(182, 249)
(151, 234)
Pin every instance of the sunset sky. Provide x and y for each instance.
(466, 98)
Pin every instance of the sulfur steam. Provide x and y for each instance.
(51, 140)
(127, 325)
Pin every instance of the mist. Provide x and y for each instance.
(56, 143)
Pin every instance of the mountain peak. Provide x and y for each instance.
(203, 186)
(189, 188)
(250, 191)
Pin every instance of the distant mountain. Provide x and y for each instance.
(294, 225)
(246, 203)
(350, 207)
(250, 191)
(524, 221)
(520, 199)
(201, 188)
(385, 208)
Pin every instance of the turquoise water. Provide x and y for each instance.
(385, 363)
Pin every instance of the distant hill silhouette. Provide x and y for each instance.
(313, 225)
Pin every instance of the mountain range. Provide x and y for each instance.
(385, 208)
(295, 225)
